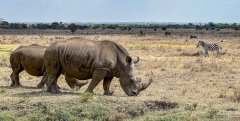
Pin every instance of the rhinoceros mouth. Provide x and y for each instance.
(133, 92)
(140, 87)
(136, 87)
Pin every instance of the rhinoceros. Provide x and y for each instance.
(30, 59)
(97, 60)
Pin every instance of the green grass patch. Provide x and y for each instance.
(6, 49)
(7, 116)
(2, 91)
(87, 96)
(96, 112)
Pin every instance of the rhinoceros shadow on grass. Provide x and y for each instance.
(24, 87)
(42, 93)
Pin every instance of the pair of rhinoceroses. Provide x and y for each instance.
(78, 59)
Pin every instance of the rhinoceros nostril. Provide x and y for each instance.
(135, 92)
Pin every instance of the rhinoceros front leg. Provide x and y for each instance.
(106, 85)
(97, 76)
(43, 81)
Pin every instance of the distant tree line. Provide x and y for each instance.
(54, 25)
(208, 26)
(73, 27)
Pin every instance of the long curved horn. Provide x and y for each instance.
(136, 61)
(145, 85)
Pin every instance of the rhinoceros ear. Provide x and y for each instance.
(129, 59)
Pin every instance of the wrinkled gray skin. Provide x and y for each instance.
(96, 60)
(30, 59)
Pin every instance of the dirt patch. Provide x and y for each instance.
(191, 53)
(160, 105)
(231, 109)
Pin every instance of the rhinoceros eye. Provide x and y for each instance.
(132, 80)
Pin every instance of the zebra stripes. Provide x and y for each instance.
(210, 47)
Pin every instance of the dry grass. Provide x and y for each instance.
(187, 85)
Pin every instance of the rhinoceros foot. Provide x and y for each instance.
(53, 89)
(108, 93)
(14, 85)
(40, 86)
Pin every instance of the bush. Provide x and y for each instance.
(212, 113)
(37, 117)
(4, 24)
(164, 28)
(191, 107)
(64, 115)
(54, 25)
(112, 26)
(87, 96)
(2, 91)
(42, 26)
(96, 112)
(183, 117)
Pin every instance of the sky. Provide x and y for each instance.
(218, 11)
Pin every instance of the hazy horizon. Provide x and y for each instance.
(128, 11)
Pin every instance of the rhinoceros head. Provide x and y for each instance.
(129, 83)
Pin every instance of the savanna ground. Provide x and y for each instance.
(187, 86)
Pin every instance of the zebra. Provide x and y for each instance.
(210, 47)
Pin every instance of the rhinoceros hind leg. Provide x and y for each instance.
(55, 89)
(12, 84)
(40, 85)
(49, 89)
(52, 84)
(58, 87)
(43, 81)
(97, 76)
(15, 77)
(106, 85)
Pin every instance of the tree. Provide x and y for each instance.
(54, 25)
(4, 24)
(112, 26)
(72, 27)
(43, 26)
(61, 25)
(211, 25)
(24, 26)
(82, 27)
(198, 27)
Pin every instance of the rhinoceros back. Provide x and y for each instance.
(30, 58)
(79, 58)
